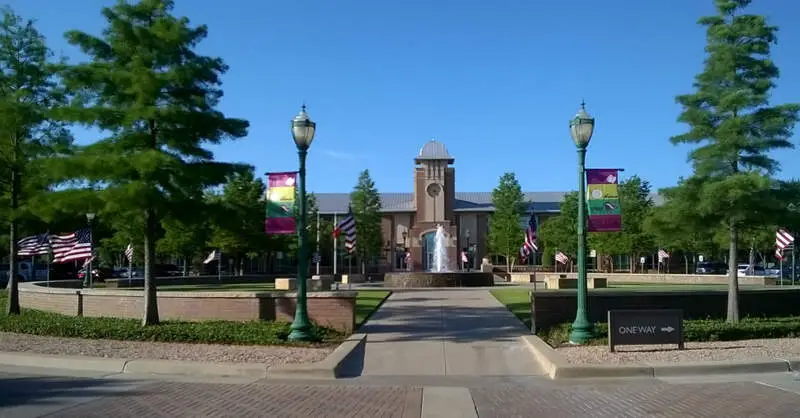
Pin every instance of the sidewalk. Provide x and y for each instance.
(445, 333)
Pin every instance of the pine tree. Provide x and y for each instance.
(366, 204)
(156, 97)
(27, 135)
(732, 121)
(505, 224)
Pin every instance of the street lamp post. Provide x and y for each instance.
(87, 278)
(794, 208)
(303, 130)
(581, 128)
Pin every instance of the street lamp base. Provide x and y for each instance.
(581, 333)
(300, 332)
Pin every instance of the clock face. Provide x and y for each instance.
(597, 194)
(434, 189)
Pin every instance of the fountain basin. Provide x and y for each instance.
(408, 279)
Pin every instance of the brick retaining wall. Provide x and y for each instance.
(331, 309)
(666, 278)
(556, 307)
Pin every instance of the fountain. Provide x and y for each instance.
(439, 273)
(439, 251)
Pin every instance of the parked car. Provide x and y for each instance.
(711, 267)
(99, 274)
(745, 270)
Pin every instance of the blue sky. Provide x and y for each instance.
(496, 82)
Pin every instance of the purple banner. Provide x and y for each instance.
(280, 203)
(602, 200)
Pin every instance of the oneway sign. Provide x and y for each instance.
(645, 326)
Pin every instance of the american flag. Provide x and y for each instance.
(89, 260)
(70, 247)
(215, 255)
(129, 253)
(562, 258)
(530, 244)
(662, 255)
(348, 226)
(783, 240)
(34, 245)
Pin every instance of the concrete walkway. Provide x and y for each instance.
(446, 333)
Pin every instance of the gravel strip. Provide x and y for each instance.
(768, 349)
(213, 353)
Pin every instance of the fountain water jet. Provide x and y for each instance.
(439, 273)
(440, 259)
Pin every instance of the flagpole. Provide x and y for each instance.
(219, 266)
(780, 277)
(319, 256)
(335, 245)
(130, 270)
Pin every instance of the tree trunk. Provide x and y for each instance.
(150, 301)
(733, 280)
(186, 266)
(12, 306)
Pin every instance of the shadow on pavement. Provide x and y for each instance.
(353, 366)
(49, 390)
(414, 321)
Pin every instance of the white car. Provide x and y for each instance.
(744, 270)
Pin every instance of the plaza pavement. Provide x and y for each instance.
(449, 353)
(445, 333)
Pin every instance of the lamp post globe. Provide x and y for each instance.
(303, 130)
(581, 128)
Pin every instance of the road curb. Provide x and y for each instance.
(719, 367)
(196, 368)
(94, 364)
(329, 368)
(558, 367)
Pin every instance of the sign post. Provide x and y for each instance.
(645, 327)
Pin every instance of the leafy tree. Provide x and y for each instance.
(733, 124)
(560, 232)
(238, 226)
(366, 204)
(156, 98)
(184, 238)
(678, 225)
(27, 94)
(505, 223)
(634, 239)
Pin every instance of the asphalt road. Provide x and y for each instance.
(52, 393)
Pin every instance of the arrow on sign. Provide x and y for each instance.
(667, 329)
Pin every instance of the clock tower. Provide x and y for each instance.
(434, 196)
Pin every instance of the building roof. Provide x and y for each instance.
(434, 150)
(539, 202)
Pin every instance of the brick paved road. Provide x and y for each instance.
(729, 400)
(172, 399)
(104, 397)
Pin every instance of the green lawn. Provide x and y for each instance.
(367, 302)
(518, 302)
(222, 287)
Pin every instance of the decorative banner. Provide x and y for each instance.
(280, 203)
(602, 199)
